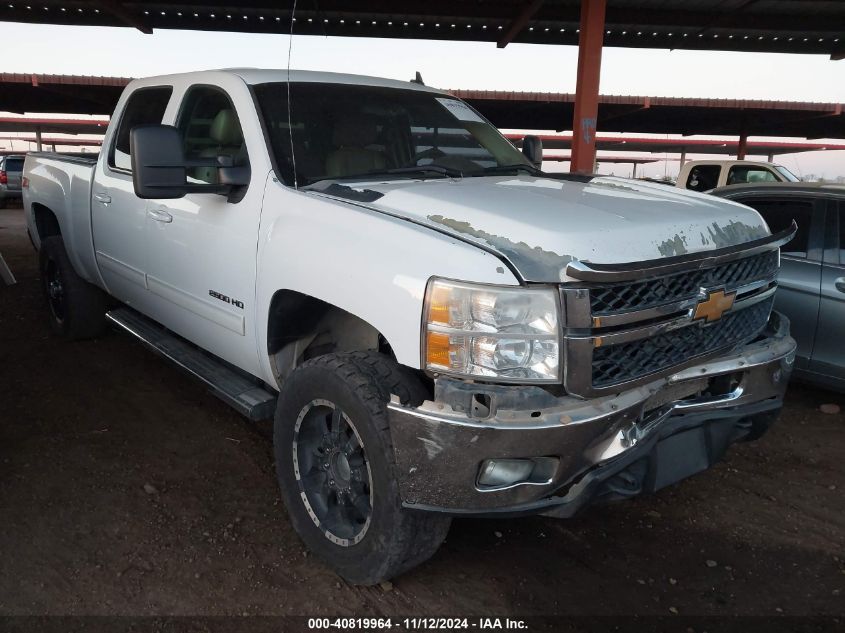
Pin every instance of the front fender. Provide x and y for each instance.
(367, 263)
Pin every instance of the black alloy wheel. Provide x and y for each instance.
(331, 468)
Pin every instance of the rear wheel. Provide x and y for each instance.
(76, 308)
(334, 461)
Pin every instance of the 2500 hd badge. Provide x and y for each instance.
(218, 295)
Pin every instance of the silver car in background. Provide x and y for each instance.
(11, 170)
(811, 288)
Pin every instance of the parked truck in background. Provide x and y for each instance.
(439, 328)
(704, 175)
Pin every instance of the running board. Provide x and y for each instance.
(253, 401)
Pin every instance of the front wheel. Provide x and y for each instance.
(334, 460)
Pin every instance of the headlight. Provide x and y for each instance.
(502, 333)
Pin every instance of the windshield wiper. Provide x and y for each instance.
(397, 171)
(503, 169)
(420, 169)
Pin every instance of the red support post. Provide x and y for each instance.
(590, 42)
(743, 145)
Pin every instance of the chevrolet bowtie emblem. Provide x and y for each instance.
(714, 306)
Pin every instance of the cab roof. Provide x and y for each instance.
(253, 76)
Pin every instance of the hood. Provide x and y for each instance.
(541, 224)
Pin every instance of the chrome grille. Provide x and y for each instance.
(611, 299)
(632, 323)
(628, 361)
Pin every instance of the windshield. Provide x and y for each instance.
(342, 131)
(790, 177)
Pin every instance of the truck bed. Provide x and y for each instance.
(60, 184)
(78, 158)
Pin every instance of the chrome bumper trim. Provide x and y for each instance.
(438, 449)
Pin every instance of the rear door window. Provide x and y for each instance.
(739, 174)
(14, 164)
(145, 106)
(703, 177)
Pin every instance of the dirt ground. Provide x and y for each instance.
(126, 489)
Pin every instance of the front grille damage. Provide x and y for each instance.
(628, 361)
(652, 329)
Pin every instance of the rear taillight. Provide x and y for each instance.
(4, 179)
(25, 182)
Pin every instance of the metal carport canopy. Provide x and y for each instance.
(782, 26)
(66, 94)
(662, 115)
(53, 126)
(785, 26)
(604, 142)
(72, 94)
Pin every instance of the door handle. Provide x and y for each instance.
(839, 282)
(103, 197)
(160, 215)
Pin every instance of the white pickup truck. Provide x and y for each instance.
(439, 328)
(704, 175)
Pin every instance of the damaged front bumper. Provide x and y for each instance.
(611, 447)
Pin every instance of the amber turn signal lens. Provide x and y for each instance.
(438, 308)
(437, 349)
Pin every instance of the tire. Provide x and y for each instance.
(76, 309)
(335, 466)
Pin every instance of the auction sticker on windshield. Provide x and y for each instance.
(460, 110)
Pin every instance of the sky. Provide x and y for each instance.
(473, 65)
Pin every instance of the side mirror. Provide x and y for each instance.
(158, 163)
(532, 147)
(160, 170)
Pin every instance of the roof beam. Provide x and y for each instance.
(619, 17)
(519, 22)
(725, 18)
(116, 8)
(626, 110)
